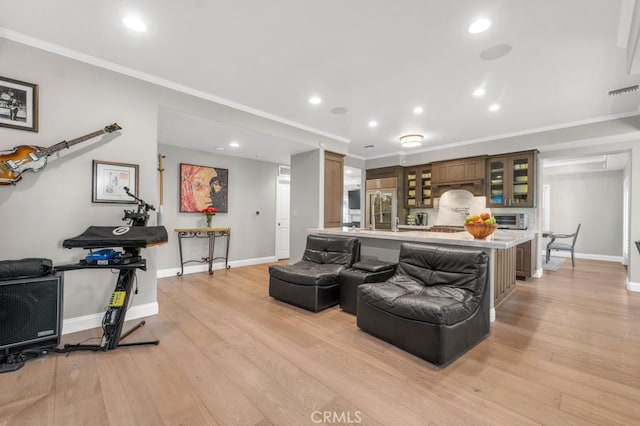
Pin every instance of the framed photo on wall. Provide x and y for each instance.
(202, 187)
(18, 104)
(110, 179)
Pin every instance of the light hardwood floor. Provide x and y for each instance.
(564, 350)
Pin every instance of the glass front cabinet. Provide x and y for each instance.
(511, 180)
(418, 187)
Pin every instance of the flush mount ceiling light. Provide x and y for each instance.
(479, 26)
(134, 23)
(411, 141)
(315, 100)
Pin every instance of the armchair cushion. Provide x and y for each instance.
(321, 249)
(307, 273)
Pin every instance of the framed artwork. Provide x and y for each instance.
(18, 104)
(110, 179)
(203, 186)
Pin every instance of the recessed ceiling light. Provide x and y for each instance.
(373, 123)
(220, 148)
(479, 26)
(479, 92)
(494, 107)
(315, 100)
(134, 23)
(234, 144)
(418, 110)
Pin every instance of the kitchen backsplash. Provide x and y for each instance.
(451, 210)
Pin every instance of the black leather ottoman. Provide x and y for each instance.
(365, 271)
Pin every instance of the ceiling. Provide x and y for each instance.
(378, 60)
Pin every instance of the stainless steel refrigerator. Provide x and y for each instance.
(382, 203)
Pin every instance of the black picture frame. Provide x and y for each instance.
(109, 179)
(202, 187)
(18, 104)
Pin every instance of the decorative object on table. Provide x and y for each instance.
(161, 172)
(209, 212)
(18, 104)
(27, 157)
(203, 186)
(480, 225)
(110, 180)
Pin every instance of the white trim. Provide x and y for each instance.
(101, 63)
(492, 314)
(632, 286)
(172, 272)
(538, 273)
(588, 256)
(86, 322)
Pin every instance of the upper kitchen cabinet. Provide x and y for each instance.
(417, 185)
(333, 189)
(511, 180)
(464, 173)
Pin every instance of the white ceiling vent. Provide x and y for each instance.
(284, 170)
(623, 90)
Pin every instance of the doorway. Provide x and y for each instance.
(351, 208)
(283, 190)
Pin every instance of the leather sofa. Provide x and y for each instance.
(436, 306)
(312, 283)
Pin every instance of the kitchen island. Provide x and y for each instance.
(501, 248)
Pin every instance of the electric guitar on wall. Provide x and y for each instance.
(27, 157)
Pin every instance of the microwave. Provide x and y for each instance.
(512, 220)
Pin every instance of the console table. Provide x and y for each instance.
(211, 234)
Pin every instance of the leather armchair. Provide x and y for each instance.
(312, 283)
(436, 306)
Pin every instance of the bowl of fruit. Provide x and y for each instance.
(480, 225)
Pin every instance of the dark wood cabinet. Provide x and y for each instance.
(511, 180)
(523, 260)
(417, 186)
(333, 189)
(461, 170)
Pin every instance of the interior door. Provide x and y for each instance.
(282, 218)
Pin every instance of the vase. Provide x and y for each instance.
(209, 218)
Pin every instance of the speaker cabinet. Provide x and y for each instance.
(30, 312)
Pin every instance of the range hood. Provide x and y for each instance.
(475, 187)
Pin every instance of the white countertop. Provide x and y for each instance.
(501, 239)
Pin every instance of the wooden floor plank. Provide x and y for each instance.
(563, 350)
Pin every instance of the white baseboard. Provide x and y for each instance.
(537, 273)
(71, 325)
(588, 256)
(631, 286)
(172, 272)
(492, 314)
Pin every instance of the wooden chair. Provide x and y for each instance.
(553, 245)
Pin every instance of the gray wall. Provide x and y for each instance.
(593, 199)
(47, 207)
(306, 192)
(252, 188)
